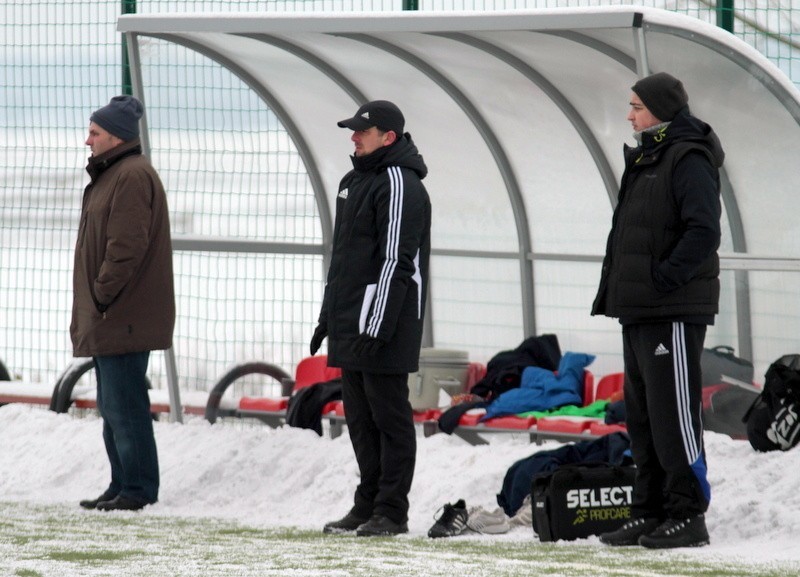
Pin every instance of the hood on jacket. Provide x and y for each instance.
(96, 165)
(685, 128)
(402, 153)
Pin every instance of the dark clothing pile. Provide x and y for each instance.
(611, 449)
(504, 373)
(504, 370)
(305, 405)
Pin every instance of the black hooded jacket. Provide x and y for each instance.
(661, 260)
(378, 275)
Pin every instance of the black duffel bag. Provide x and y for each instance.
(773, 420)
(576, 501)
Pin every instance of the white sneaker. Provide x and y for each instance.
(489, 522)
(524, 515)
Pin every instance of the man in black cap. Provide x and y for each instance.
(123, 297)
(660, 277)
(373, 309)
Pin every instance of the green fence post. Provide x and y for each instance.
(725, 15)
(128, 7)
(410, 5)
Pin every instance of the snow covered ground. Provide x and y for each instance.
(293, 478)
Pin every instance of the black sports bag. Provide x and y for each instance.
(576, 501)
(773, 420)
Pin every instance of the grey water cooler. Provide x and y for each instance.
(439, 369)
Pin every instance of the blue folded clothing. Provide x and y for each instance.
(542, 390)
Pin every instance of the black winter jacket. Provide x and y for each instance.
(378, 277)
(661, 258)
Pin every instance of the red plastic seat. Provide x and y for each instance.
(560, 425)
(510, 422)
(475, 372)
(470, 419)
(600, 429)
(313, 370)
(588, 388)
(608, 385)
(263, 404)
(427, 415)
(332, 407)
(309, 371)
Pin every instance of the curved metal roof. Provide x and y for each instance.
(520, 115)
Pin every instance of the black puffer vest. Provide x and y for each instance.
(646, 227)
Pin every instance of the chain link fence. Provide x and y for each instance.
(228, 165)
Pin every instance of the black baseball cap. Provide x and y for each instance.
(381, 113)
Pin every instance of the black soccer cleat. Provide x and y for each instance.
(452, 520)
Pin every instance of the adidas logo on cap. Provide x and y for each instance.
(379, 113)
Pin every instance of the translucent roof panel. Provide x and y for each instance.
(521, 118)
(519, 115)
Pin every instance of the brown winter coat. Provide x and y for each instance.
(124, 301)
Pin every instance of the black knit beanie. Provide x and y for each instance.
(120, 117)
(662, 94)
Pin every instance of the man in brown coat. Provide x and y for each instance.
(124, 302)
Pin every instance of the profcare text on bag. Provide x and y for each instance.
(576, 501)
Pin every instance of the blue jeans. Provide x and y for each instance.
(124, 404)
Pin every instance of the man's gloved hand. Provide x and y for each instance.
(367, 346)
(319, 335)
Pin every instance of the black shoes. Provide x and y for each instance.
(375, 526)
(673, 533)
(381, 526)
(346, 524)
(653, 534)
(92, 503)
(630, 532)
(452, 520)
(120, 503)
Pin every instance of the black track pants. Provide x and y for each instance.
(381, 426)
(663, 403)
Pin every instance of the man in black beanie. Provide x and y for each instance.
(662, 94)
(660, 278)
(123, 297)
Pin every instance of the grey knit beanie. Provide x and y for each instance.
(662, 94)
(120, 117)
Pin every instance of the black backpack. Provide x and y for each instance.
(773, 420)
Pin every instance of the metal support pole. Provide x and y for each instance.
(725, 15)
(137, 89)
(175, 407)
(128, 7)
